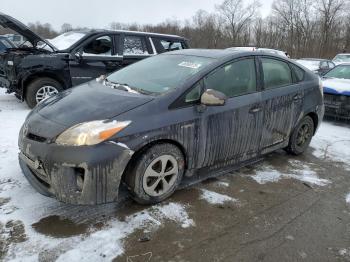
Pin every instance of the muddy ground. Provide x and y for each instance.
(284, 208)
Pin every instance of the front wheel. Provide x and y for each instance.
(156, 174)
(301, 136)
(40, 89)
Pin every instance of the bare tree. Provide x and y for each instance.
(66, 28)
(237, 16)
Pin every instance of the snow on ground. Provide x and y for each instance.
(216, 198)
(347, 198)
(300, 172)
(332, 142)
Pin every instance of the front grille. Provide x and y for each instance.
(336, 99)
(37, 138)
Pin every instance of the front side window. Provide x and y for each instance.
(276, 73)
(234, 79)
(135, 45)
(99, 46)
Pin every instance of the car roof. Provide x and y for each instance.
(211, 53)
(96, 31)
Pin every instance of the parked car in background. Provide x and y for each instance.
(318, 66)
(188, 114)
(43, 68)
(336, 88)
(5, 44)
(16, 39)
(341, 58)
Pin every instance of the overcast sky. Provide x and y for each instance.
(100, 13)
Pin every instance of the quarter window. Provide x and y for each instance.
(135, 45)
(170, 45)
(194, 94)
(99, 46)
(299, 73)
(276, 73)
(234, 79)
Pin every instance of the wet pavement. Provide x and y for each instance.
(283, 208)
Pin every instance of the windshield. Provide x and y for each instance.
(342, 58)
(309, 63)
(66, 40)
(339, 72)
(160, 74)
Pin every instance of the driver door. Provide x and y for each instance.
(98, 56)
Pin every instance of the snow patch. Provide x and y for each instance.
(304, 174)
(216, 198)
(332, 142)
(347, 198)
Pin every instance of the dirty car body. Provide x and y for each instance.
(75, 57)
(174, 100)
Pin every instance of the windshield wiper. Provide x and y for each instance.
(126, 87)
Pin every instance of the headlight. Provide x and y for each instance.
(90, 133)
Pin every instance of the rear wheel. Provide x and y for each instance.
(301, 136)
(40, 89)
(156, 174)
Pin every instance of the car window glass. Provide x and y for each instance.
(194, 94)
(171, 45)
(299, 73)
(276, 73)
(135, 45)
(331, 65)
(324, 64)
(342, 71)
(99, 46)
(234, 79)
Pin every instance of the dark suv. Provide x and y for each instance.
(39, 68)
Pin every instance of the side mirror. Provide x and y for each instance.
(323, 67)
(213, 98)
(79, 55)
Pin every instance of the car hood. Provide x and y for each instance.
(88, 102)
(12, 23)
(336, 86)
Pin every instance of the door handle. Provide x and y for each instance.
(255, 110)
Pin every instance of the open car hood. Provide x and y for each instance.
(12, 23)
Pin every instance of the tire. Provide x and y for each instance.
(146, 174)
(301, 136)
(39, 85)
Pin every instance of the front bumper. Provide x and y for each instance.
(337, 106)
(87, 175)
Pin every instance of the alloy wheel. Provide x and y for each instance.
(160, 176)
(45, 92)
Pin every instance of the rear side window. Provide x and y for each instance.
(234, 79)
(299, 73)
(135, 45)
(99, 46)
(276, 73)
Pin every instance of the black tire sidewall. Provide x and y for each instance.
(34, 86)
(134, 179)
(293, 148)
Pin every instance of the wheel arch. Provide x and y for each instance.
(314, 118)
(148, 145)
(34, 76)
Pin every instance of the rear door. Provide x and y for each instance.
(231, 133)
(135, 47)
(282, 99)
(95, 57)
